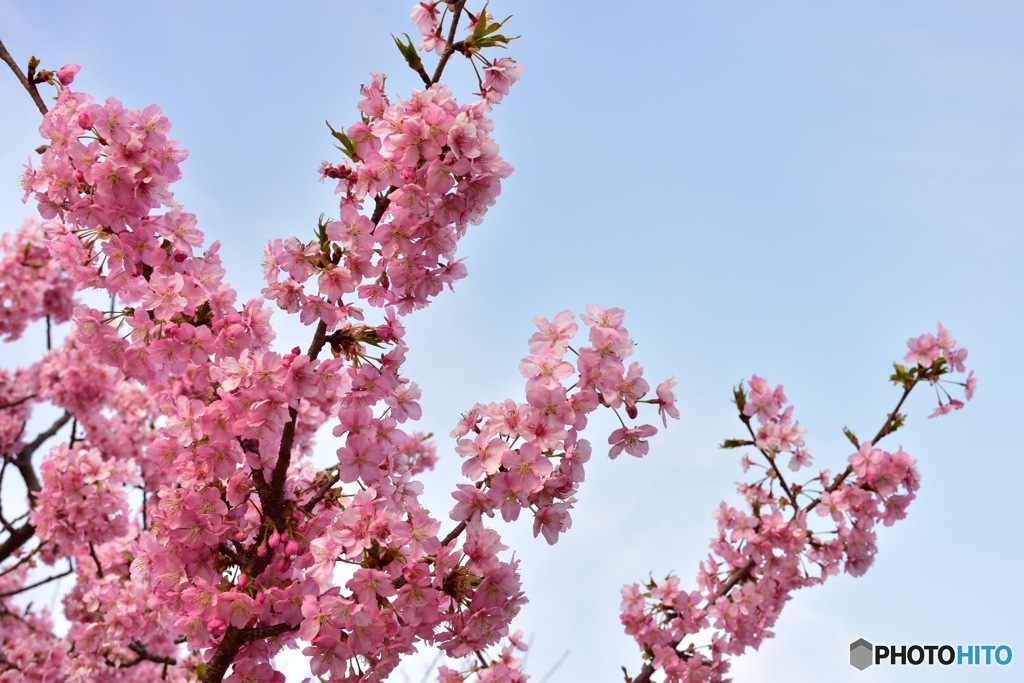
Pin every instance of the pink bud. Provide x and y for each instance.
(66, 74)
(84, 120)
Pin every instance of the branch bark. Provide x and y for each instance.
(232, 642)
(23, 79)
(23, 461)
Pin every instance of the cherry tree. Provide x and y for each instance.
(176, 479)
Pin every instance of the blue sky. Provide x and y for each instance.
(790, 189)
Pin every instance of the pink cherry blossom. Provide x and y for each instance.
(204, 538)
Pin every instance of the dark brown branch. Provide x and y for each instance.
(449, 48)
(271, 492)
(3, 520)
(284, 457)
(27, 557)
(454, 533)
(12, 404)
(145, 655)
(232, 642)
(24, 80)
(5, 612)
(23, 461)
(37, 584)
(887, 428)
(96, 559)
(380, 204)
(18, 538)
(321, 492)
(319, 339)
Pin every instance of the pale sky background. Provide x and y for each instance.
(788, 188)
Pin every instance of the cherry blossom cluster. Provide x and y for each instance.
(17, 402)
(30, 650)
(104, 174)
(530, 455)
(119, 625)
(934, 354)
(83, 499)
(32, 285)
(79, 502)
(203, 536)
(431, 169)
(240, 533)
(499, 74)
(771, 546)
(505, 668)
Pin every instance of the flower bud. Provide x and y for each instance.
(66, 74)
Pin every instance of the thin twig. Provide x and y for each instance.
(431, 667)
(96, 559)
(27, 557)
(232, 642)
(13, 404)
(553, 669)
(449, 48)
(41, 582)
(25, 82)
(882, 432)
(145, 655)
(23, 461)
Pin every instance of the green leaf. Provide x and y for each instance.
(848, 433)
(409, 52)
(321, 229)
(902, 375)
(348, 147)
(480, 30)
(739, 397)
(486, 34)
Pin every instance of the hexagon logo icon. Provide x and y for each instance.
(861, 654)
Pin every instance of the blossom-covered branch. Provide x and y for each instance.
(203, 535)
(761, 556)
